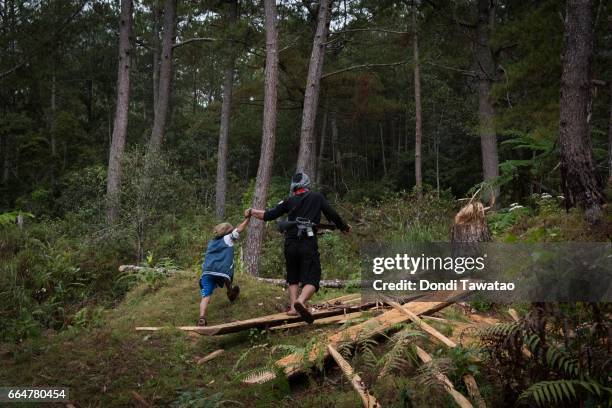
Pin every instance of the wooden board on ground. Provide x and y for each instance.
(424, 326)
(292, 364)
(366, 397)
(468, 379)
(448, 385)
(327, 309)
(340, 319)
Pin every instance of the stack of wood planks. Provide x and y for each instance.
(341, 306)
(343, 309)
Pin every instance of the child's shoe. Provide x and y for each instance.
(201, 321)
(233, 293)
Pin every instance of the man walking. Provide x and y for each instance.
(303, 209)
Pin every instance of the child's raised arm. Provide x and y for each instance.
(242, 226)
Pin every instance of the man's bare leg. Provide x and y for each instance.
(293, 295)
(307, 292)
(300, 303)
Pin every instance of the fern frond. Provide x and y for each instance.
(258, 376)
(499, 330)
(559, 360)
(395, 359)
(558, 391)
(244, 355)
(429, 373)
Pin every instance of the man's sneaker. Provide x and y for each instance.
(233, 293)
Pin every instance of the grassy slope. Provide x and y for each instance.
(105, 365)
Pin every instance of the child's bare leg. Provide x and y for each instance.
(293, 294)
(204, 305)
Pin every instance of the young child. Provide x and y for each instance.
(218, 265)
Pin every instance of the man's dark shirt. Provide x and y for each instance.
(311, 207)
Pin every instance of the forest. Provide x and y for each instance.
(130, 128)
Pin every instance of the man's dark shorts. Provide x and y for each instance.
(302, 261)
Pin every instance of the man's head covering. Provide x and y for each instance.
(222, 229)
(299, 180)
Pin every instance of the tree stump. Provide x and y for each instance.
(470, 224)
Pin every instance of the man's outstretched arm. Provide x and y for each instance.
(270, 214)
(259, 214)
(334, 217)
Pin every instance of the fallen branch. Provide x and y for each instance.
(210, 356)
(366, 397)
(136, 268)
(325, 283)
(332, 283)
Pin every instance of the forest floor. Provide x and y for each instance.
(106, 363)
(111, 364)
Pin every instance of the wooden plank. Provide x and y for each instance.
(448, 385)
(472, 387)
(468, 379)
(438, 319)
(368, 400)
(514, 315)
(292, 364)
(517, 319)
(277, 319)
(327, 320)
(263, 322)
(210, 356)
(432, 331)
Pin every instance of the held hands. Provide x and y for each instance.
(247, 213)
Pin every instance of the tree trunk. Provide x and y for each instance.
(610, 138)
(113, 181)
(319, 169)
(338, 169)
(52, 119)
(165, 78)
(382, 148)
(264, 172)
(470, 224)
(418, 132)
(155, 44)
(437, 151)
(226, 108)
(306, 155)
(486, 74)
(579, 179)
(5, 159)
